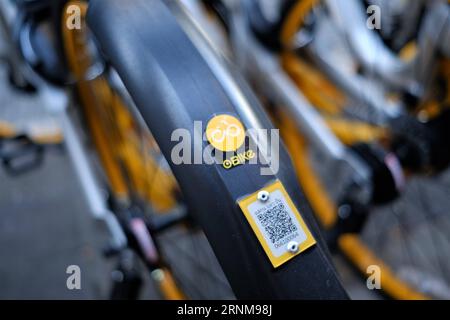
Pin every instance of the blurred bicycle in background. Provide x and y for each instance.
(364, 113)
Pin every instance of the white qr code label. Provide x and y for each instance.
(277, 223)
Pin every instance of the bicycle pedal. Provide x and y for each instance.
(20, 155)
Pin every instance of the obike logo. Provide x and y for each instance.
(229, 145)
(239, 159)
(226, 133)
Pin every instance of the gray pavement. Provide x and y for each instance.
(44, 228)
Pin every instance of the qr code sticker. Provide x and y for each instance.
(277, 222)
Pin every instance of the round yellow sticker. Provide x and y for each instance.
(225, 133)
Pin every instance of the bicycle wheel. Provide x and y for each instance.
(406, 238)
(138, 176)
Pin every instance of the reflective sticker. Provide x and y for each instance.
(277, 223)
(225, 133)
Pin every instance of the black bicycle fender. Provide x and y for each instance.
(173, 86)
